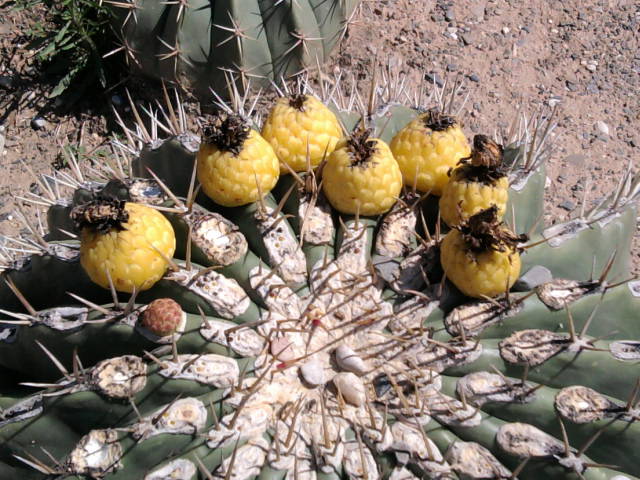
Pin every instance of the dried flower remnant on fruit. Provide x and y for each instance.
(486, 152)
(297, 101)
(484, 165)
(361, 147)
(102, 214)
(227, 131)
(438, 121)
(483, 232)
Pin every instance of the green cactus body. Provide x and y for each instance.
(202, 44)
(316, 345)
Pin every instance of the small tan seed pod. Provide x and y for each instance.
(162, 317)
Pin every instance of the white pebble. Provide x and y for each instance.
(281, 349)
(349, 360)
(350, 387)
(313, 373)
(602, 127)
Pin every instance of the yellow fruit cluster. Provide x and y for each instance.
(236, 165)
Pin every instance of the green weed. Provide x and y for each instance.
(69, 43)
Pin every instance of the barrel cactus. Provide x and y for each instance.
(287, 340)
(202, 43)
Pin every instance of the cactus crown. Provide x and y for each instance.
(438, 121)
(227, 131)
(410, 380)
(361, 147)
(483, 233)
(102, 214)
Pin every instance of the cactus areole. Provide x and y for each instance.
(203, 43)
(291, 341)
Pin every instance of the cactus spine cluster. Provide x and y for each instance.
(202, 43)
(317, 345)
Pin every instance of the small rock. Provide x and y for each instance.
(467, 38)
(561, 178)
(553, 101)
(381, 384)
(602, 127)
(536, 275)
(37, 123)
(117, 100)
(449, 15)
(567, 205)
(350, 387)
(452, 67)
(313, 373)
(452, 32)
(281, 349)
(474, 78)
(434, 78)
(349, 360)
(505, 30)
(571, 86)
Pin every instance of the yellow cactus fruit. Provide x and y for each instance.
(481, 256)
(476, 185)
(361, 176)
(235, 165)
(427, 148)
(129, 242)
(296, 123)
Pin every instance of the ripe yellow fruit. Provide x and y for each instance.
(299, 121)
(481, 257)
(361, 176)
(133, 248)
(462, 198)
(235, 164)
(476, 185)
(427, 148)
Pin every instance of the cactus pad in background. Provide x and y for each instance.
(200, 43)
(309, 344)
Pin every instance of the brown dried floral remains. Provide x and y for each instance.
(485, 165)
(227, 131)
(361, 147)
(297, 100)
(438, 121)
(102, 215)
(483, 232)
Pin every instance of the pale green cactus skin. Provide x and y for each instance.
(203, 43)
(64, 412)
